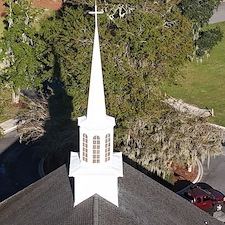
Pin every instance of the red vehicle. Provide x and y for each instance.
(204, 197)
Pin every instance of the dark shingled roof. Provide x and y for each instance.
(142, 200)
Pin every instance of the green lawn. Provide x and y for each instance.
(1, 26)
(203, 84)
(10, 110)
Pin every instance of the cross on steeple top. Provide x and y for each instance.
(96, 13)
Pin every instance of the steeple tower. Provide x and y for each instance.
(96, 168)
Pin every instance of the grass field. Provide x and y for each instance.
(1, 26)
(203, 84)
(10, 110)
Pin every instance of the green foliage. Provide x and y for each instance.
(142, 45)
(140, 48)
(1, 26)
(199, 12)
(1, 133)
(20, 46)
(207, 40)
(173, 137)
(1, 104)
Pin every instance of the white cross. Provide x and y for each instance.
(96, 13)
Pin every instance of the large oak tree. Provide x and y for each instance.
(143, 44)
(20, 48)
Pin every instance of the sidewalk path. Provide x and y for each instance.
(9, 125)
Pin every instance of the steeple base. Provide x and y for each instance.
(101, 180)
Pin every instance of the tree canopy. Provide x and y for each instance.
(20, 47)
(140, 48)
(143, 44)
(199, 12)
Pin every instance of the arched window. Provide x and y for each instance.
(96, 149)
(107, 147)
(85, 147)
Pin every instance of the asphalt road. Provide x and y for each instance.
(8, 140)
(18, 166)
(214, 175)
(219, 14)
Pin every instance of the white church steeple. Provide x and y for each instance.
(96, 168)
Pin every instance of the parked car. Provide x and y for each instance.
(204, 197)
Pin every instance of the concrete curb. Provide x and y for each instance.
(41, 168)
(196, 180)
(200, 172)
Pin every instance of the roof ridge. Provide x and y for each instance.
(95, 210)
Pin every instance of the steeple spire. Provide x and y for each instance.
(96, 101)
(97, 168)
